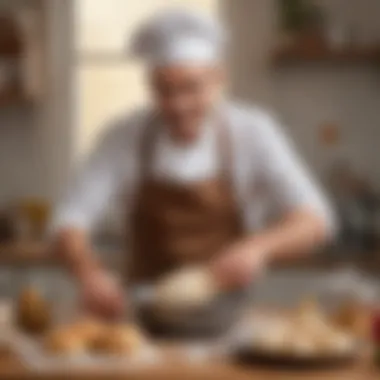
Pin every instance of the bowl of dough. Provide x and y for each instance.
(189, 303)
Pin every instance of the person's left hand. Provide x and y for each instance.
(239, 265)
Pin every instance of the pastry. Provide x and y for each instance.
(353, 318)
(33, 313)
(117, 340)
(334, 343)
(308, 305)
(189, 288)
(309, 312)
(274, 335)
(302, 345)
(305, 332)
(64, 341)
(88, 330)
(310, 320)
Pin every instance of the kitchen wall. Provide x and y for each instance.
(19, 154)
(304, 96)
(18, 144)
(113, 86)
(36, 142)
(36, 148)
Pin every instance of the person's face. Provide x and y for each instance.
(185, 94)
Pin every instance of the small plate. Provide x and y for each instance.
(243, 349)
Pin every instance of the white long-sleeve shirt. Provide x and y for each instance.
(266, 173)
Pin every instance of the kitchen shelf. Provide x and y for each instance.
(11, 45)
(25, 253)
(302, 53)
(14, 97)
(23, 41)
(35, 254)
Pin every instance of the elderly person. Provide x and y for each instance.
(195, 166)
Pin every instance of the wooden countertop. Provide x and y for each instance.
(11, 368)
(175, 367)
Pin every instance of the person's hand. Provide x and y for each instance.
(239, 265)
(102, 295)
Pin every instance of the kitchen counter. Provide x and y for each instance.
(11, 368)
(34, 253)
(25, 253)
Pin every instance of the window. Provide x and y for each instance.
(107, 81)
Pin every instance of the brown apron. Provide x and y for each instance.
(176, 224)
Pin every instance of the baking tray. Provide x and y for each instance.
(31, 353)
(29, 350)
(186, 352)
(248, 355)
(241, 350)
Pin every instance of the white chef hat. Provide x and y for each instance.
(177, 36)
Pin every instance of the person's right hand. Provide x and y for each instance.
(102, 295)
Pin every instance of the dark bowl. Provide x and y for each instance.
(209, 322)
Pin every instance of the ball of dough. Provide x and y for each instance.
(188, 288)
(118, 340)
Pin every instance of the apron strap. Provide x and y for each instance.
(147, 146)
(224, 147)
